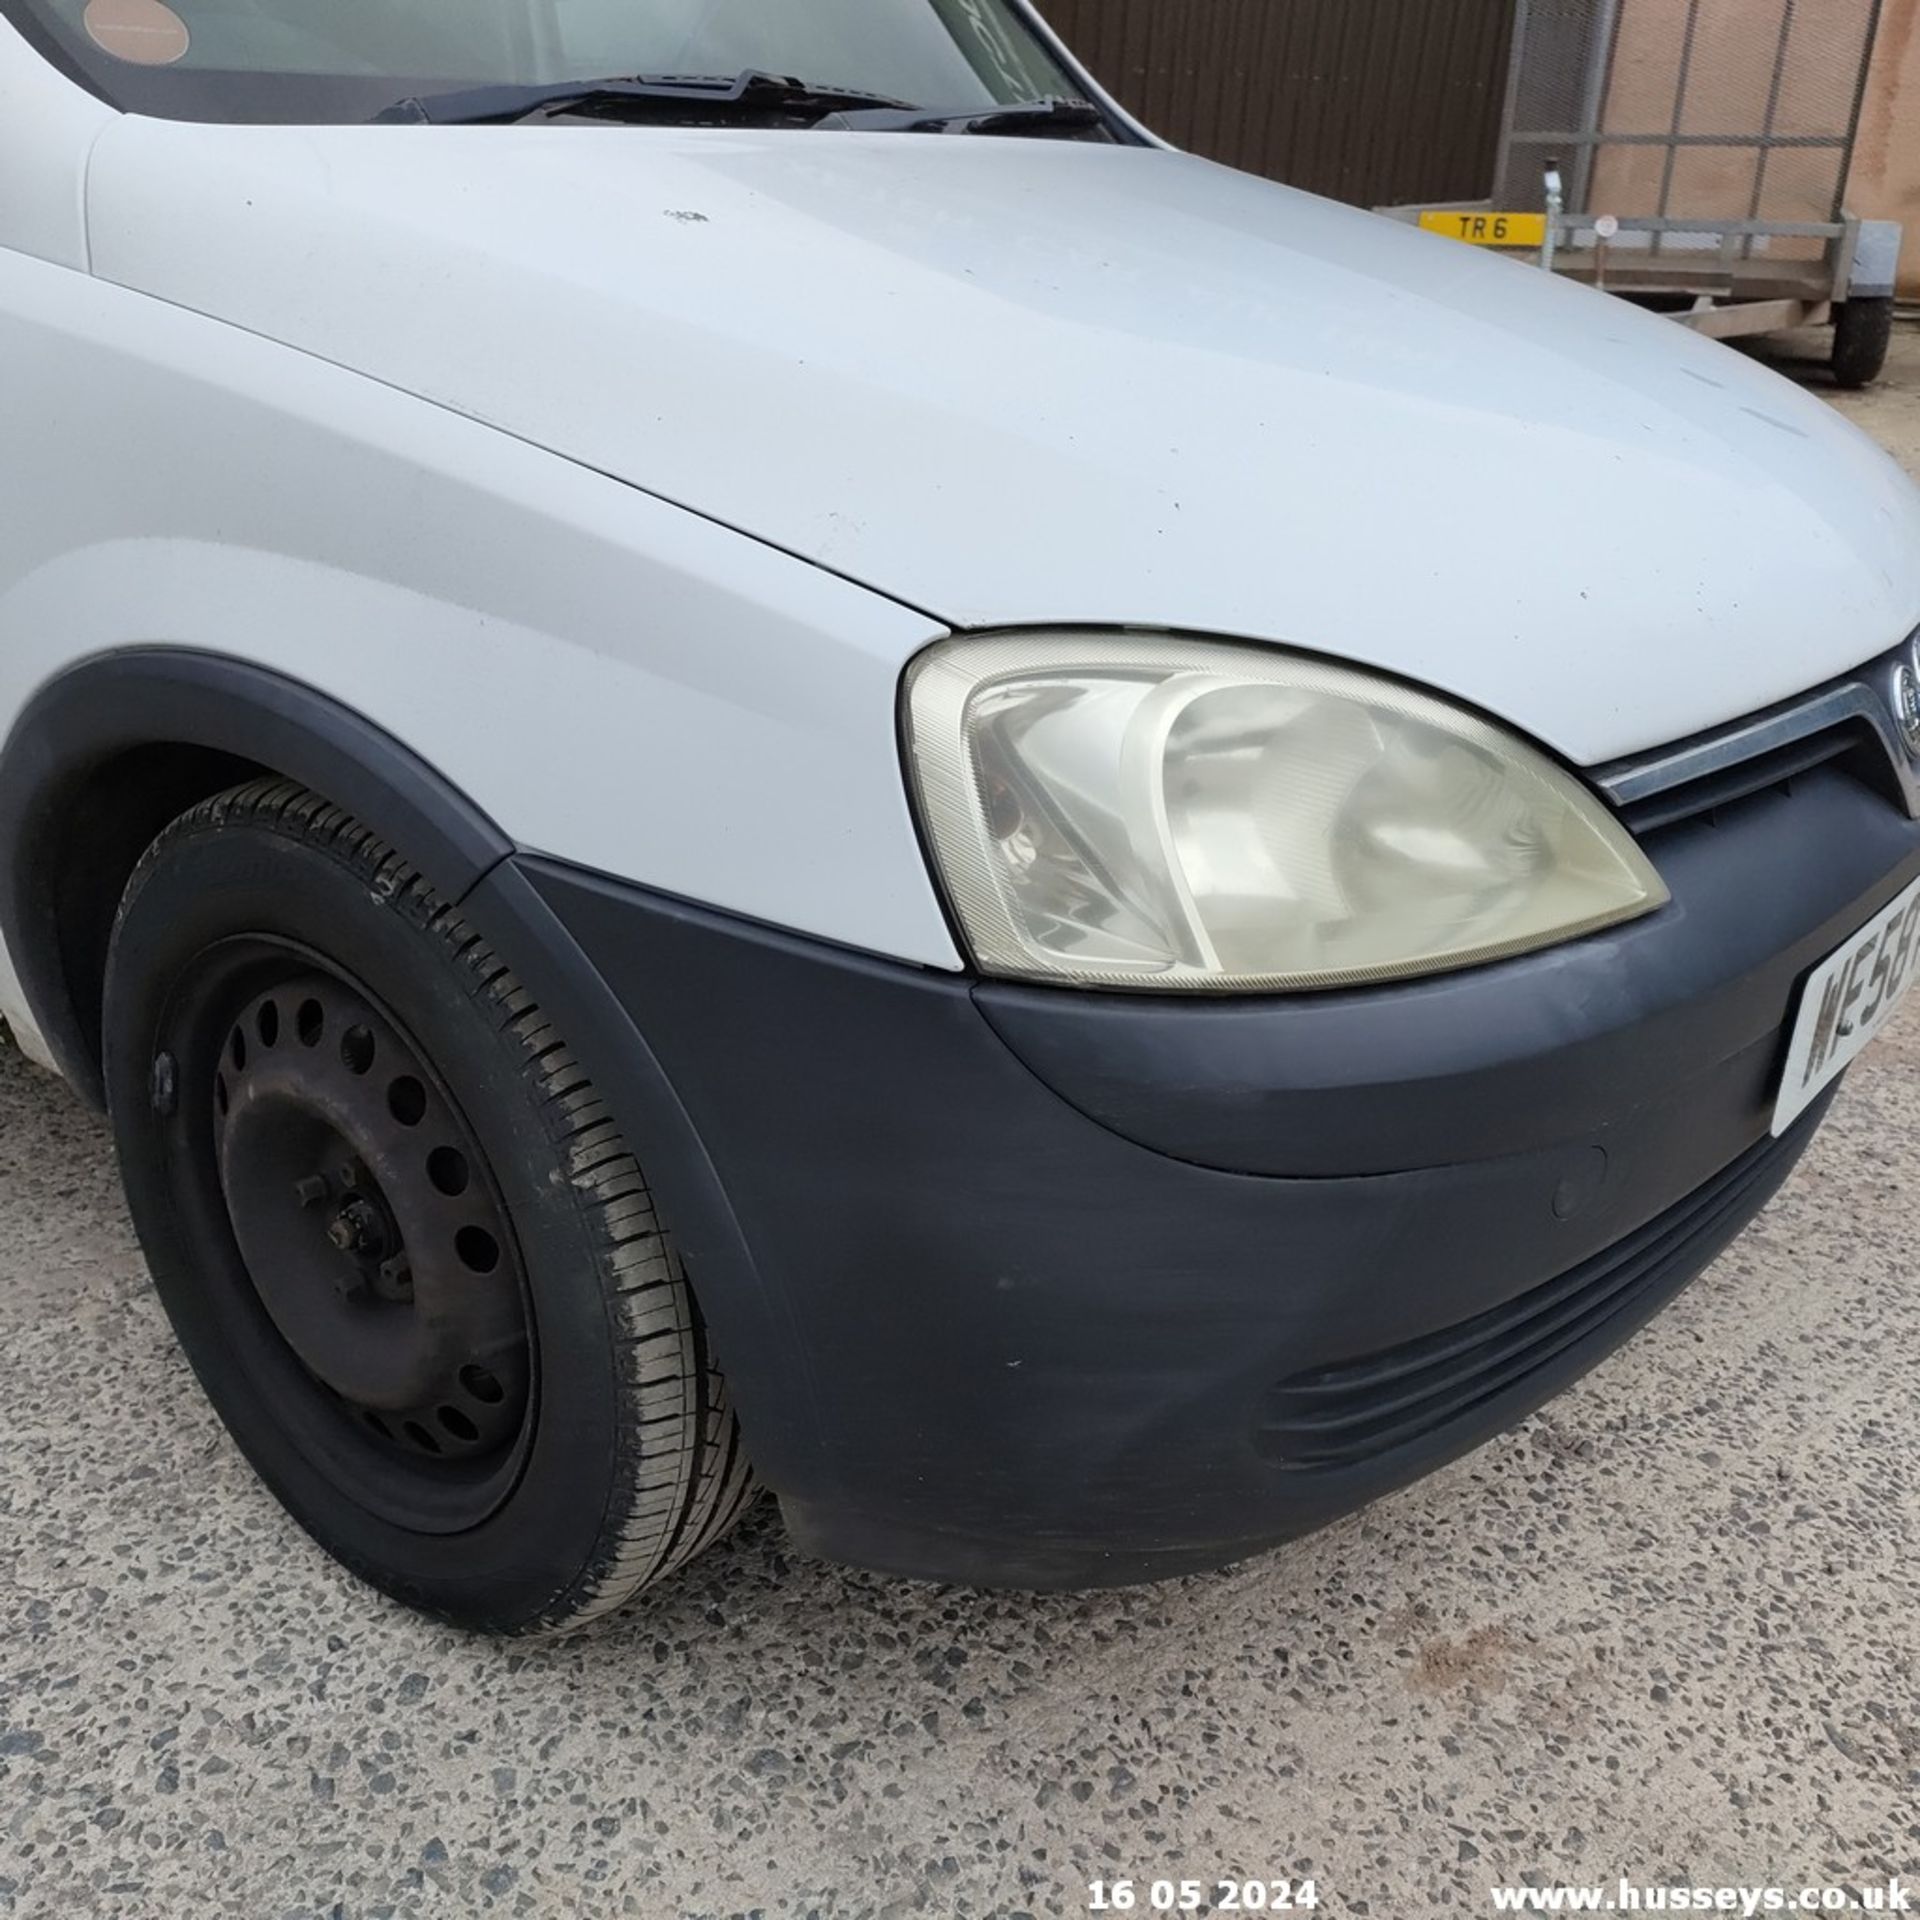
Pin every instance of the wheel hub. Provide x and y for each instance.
(357, 1230)
(361, 1228)
(369, 1223)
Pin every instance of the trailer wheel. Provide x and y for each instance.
(1862, 337)
(397, 1231)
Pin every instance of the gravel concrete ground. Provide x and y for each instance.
(1666, 1629)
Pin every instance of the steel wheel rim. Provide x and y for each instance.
(379, 1272)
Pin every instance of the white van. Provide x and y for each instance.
(807, 769)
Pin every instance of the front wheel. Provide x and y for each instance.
(401, 1241)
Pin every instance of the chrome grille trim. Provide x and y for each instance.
(1866, 698)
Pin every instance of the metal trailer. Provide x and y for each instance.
(1705, 148)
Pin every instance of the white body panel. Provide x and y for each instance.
(47, 131)
(610, 678)
(1018, 381)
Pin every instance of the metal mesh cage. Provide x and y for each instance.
(1694, 122)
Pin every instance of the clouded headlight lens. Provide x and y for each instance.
(1140, 812)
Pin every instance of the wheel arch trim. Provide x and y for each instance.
(112, 704)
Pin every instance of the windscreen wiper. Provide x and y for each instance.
(643, 99)
(1047, 116)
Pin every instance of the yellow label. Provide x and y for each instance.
(1490, 229)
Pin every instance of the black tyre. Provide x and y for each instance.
(398, 1235)
(1862, 338)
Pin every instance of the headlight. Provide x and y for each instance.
(1135, 811)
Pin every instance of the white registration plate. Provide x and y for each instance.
(1848, 998)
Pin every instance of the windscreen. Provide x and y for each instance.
(294, 60)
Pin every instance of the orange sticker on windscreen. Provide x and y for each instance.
(146, 32)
